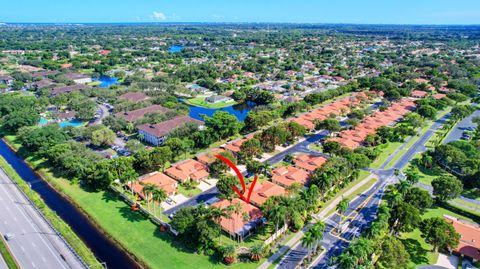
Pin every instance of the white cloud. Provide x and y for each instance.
(159, 16)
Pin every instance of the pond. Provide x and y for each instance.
(239, 110)
(106, 81)
(175, 49)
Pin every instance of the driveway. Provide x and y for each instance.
(177, 199)
(450, 261)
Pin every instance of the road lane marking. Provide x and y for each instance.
(29, 219)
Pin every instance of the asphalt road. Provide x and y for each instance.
(35, 245)
(462, 126)
(365, 205)
(3, 265)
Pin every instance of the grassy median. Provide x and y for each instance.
(7, 256)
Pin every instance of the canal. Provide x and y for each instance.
(103, 248)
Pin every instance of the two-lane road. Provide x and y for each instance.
(35, 245)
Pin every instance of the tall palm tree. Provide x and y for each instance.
(236, 209)
(147, 191)
(341, 208)
(307, 242)
(402, 187)
(158, 195)
(277, 214)
(217, 214)
(317, 232)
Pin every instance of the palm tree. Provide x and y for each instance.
(236, 209)
(229, 253)
(276, 215)
(158, 195)
(256, 252)
(342, 207)
(147, 191)
(307, 242)
(402, 187)
(324, 183)
(317, 232)
(217, 214)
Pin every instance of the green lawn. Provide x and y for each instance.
(138, 234)
(200, 101)
(420, 252)
(134, 231)
(387, 149)
(7, 256)
(188, 192)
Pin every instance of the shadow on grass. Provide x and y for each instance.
(418, 254)
(471, 193)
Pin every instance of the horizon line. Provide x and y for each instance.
(2, 23)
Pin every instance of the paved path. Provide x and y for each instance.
(36, 245)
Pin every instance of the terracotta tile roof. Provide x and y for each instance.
(137, 114)
(235, 145)
(237, 224)
(134, 96)
(208, 157)
(158, 179)
(188, 169)
(439, 96)
(164, 128)
(309, 162)
(354, 138)
(264, 190)
(470, 237)
(287, 175)
(420, 94)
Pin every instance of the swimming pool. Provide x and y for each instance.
(74, 123)
(42, 121)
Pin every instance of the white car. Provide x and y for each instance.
(9, 236)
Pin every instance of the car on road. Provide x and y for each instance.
(9, 236)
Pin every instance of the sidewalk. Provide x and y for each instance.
(321, 215)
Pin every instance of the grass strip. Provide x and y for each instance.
(7, 256)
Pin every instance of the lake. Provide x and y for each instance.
(175, 49)
(106, 81)
(239, 110)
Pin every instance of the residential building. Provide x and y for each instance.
(243, 223)
(287, 175)
(419, 94)
(79, 78)
(469, 245)
(262, 191)
(168, 184)
(4, 79)
(134, 97)
(134, 115)
(156, 134)
(209, 157)
(67, 89)
(308, 162)
(188, 170)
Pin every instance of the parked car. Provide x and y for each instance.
(9, 236)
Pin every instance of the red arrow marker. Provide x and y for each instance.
(239, 175)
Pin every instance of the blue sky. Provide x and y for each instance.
(296, 11)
